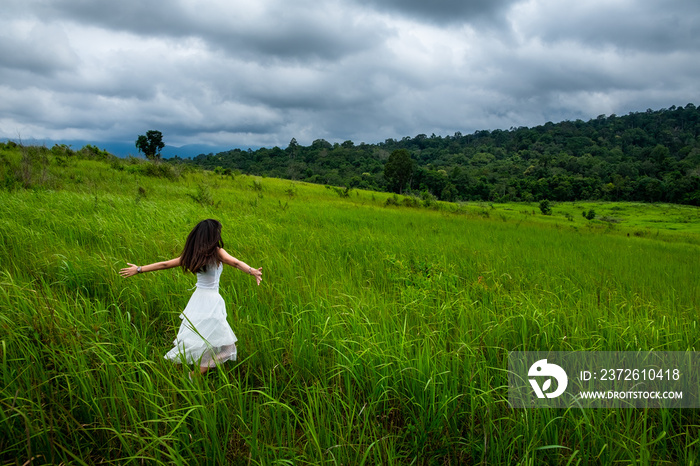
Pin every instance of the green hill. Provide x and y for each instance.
(380, 334)
(651, 156)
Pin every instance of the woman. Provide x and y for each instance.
(205, 337)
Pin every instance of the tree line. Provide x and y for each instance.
(651, 156)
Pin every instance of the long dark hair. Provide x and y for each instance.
(201, 246)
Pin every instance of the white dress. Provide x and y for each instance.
(205, 337)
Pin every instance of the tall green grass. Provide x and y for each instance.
(379, 335)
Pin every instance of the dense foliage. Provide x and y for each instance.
(649, 156)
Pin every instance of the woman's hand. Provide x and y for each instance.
(257, 273)
(129, 271)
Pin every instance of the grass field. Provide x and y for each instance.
(380, 333)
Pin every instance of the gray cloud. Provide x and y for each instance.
(659, 27)
(275, 28)
(260, 73)
(38, 49)
(444, 11)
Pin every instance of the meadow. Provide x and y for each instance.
(379, 335)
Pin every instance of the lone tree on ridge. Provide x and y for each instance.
(150, 144)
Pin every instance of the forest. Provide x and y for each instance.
(651, 156)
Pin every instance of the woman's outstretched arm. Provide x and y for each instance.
(133, 269)
(228, 259)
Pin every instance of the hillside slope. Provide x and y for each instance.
(652, 156)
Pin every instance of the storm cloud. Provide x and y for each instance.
(260, 73)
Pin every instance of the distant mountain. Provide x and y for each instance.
(193, 150)
(125, 149)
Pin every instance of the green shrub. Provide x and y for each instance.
(160, 170)
(94, 153)
(428, 198)
(62, 150)
(411, 201)
(203, 196)
(393, 200)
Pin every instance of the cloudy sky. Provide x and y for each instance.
(259, 72)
